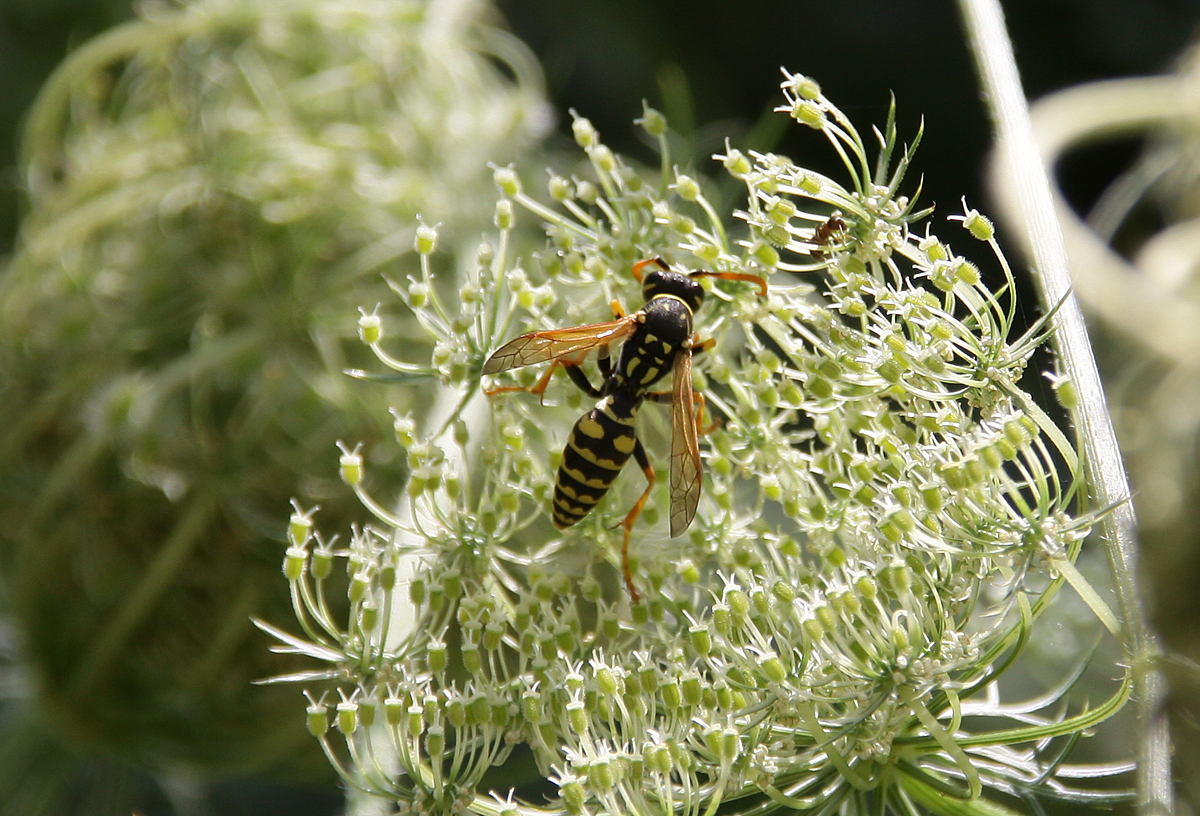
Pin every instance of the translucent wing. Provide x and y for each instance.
(568, 346)
(685, 447)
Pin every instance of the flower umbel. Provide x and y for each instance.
(885, 514)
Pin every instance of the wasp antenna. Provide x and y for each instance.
(735, 276)
(637, 267)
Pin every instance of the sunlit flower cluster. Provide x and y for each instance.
(885, 513)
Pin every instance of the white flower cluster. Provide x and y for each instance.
(885, 512)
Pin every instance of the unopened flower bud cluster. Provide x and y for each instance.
(881, 502)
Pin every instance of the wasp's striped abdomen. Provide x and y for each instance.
(598, 447)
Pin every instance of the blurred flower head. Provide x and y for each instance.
(211, 188)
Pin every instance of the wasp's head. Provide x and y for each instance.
(661, 280)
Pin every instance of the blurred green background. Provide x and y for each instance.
(718, 65)
(713, 67)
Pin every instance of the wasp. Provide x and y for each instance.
(656, 339)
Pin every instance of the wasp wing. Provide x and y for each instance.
(686, 470)
(568, 346)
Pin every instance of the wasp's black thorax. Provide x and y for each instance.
(665, 324)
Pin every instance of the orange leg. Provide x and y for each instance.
(538, 388)
(631, 517)
(704, 430)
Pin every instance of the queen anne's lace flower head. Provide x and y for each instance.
(885, 513)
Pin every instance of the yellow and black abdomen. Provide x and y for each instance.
(598, 447)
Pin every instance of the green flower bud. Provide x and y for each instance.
(472, 659)
(507, 181)
(370, 327)
(435, 654)
(600, 774)
(686, 187)
(652, 121)
(294, 560)
(347, 717)
(416, 590)
(809, 183)
(648, 679)
(426, 239)
(784, 591)
(359, 584)
(736, 163)
(505, 215)
(1065, 393)
(967, 272)
(722, 619)
(351, 466)
(773, 668)
(607, 683)
(980, 226)
(435, 742)
(739, 603)
(531, 706)
(573, 796)
(808, 114)
(368, 616)
(317, 719)
(300, 527)
(479, 711)
(416, 719)
(604, 159)
(669, 691)
(561, 189)
(577, 716)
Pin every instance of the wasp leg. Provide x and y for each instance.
(604, 362)
(665, 397)
(582, 382)
(701, 429)
(639, 453)
(538, 388)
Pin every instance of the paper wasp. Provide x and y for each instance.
(654, 340)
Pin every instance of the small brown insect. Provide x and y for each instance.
(824, 234)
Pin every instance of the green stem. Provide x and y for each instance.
(984, 22)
